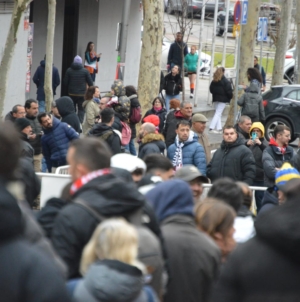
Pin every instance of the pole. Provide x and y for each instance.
(199, 53)
(237, 71)
(124, 32)
(225, 33)
(260, 59)
(213, 49)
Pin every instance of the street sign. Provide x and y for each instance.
(262, 34)
(244, 12)
(237, 12)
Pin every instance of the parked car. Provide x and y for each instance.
(194, 7)
(282, 107)
(266, 10)
(205, 67)
(289, 65)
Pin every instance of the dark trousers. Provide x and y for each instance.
(78, 101)
(259, 195)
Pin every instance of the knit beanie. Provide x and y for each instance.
(78, 60)
(21, 123)
(286, 173)
(153, 119)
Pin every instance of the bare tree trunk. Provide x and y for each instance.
(246, 51)
(11, 40)
(49, 54)
(149, 75)
(282, 42)
(297, 68)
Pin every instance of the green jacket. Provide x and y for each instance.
(190, 62)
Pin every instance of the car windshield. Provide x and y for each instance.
(272, 94)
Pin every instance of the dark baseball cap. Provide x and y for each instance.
(189, 173)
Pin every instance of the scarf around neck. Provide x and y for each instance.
(87, 178)
(177, 159)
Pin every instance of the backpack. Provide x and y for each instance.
(149, 248)
(126, 134)
(136, 115)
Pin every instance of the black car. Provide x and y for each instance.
(266, 10)
(282, 107)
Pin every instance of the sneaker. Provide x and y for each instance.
(213, 131)
(220, 131)
(191, 96)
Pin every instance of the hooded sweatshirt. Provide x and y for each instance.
(111, 280)
(67, 112)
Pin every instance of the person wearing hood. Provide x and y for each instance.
(39, 81)
(251, 100)
(55, 141)
(233, 159)
(173, 85)
(275, 195)
(159, 110)
(97, 194)
(76, 79)
(151, 142)
(173, 117)
(266, 267)
(194, 258)
(135, 115)
(91, 108)
(110, 266)
(66, 110)
(105, 131)
(257, 144)
(277, 153)
(186, 150)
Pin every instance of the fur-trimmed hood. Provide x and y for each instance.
(150, 137)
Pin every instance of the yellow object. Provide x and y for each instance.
(236, 28)
(258, 125)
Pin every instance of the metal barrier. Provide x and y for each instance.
(251, 187)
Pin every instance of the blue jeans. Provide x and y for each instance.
(259, 195)
(71, 286)
(42, 107)
(170, 97)
(131, 147)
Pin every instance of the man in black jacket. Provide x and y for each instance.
(151, 142)
(32, 110)
(243, 127)
(233, 159)
(173, 117)
(105, 131)
(18, 111)
(175, 52)
(75, 80)
(67, 112)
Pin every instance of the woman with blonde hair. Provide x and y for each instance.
(110, 267)
(216, 219)
(221, 91)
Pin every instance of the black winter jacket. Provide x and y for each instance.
(67, 112)
(74, 226)
(152, 143)
(175, 53)
(241, 132)
(107, 133)
(36, 143)
(221, 91)
(173, 84)
(265, 268)
(233, 160)
(26, 149)
(161, 114)
(169, 132)
(269, 201)
(76, 78)
(134, 103)
(257, 151)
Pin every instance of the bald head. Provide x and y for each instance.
(148, 127)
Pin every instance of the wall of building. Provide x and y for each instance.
(15, 92)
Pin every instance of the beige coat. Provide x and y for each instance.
(203, 140)
(92, 110)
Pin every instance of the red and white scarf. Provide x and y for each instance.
(87, 178)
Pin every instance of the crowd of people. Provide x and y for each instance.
(149, 214)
